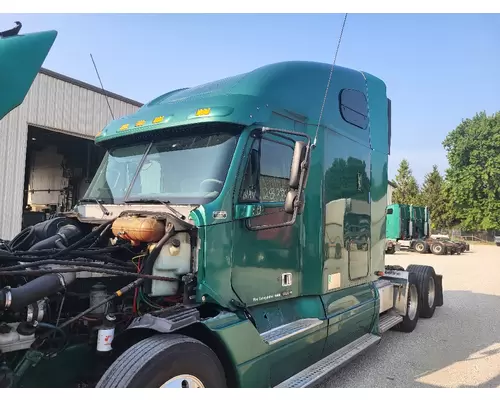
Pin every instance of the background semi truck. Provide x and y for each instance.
(230, 237)
(409, 227)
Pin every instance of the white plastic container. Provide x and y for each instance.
(173, 261)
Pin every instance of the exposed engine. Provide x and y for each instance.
(64, 282)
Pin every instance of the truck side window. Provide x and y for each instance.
(273, 176)
(354, 108)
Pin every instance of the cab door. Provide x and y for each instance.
(266, 263)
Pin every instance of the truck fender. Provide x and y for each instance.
(439, 291)
(148, 324)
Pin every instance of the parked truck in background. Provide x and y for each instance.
(409, 226)
(210, 249)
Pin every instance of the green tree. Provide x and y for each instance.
(447, 216)
(432, 196)
(407, 191)
(474, 172)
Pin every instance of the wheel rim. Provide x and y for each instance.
(412, 302)
(420, 247)
(431, 294)
(183, 382)
(438, 248)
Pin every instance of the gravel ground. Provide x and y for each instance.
(458, 347)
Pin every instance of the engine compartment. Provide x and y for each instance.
(64, 282)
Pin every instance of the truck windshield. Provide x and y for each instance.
(189, 169)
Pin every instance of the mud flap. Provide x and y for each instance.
(439, 290)
(21, 57)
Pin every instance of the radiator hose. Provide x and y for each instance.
(16, 299)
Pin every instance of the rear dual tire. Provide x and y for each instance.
(421, 247)
(426, 280)
(410, 320)
(438, 249)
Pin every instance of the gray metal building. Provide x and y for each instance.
(390, 190)
(56, 109)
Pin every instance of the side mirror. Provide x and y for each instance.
(291, 197)
(299, 154)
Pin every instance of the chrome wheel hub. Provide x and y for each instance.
(183, 382)
(431, 294)
(412, 302)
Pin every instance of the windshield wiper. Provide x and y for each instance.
(98, 202)
(165, 203)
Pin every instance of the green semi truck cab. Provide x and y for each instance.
(409, 227)
(229, 238)
(406, 222)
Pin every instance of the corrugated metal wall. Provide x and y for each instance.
(53, 104)
(390, 191)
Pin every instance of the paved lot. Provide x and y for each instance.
(458, 347)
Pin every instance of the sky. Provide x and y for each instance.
(438, 68)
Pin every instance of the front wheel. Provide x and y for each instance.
(165, 361)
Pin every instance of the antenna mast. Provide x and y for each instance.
(329, 81)
(102, 87)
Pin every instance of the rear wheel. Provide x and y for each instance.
(412, 306)
(165, 361)
(421, 247)
(426, 277)
(438, 249)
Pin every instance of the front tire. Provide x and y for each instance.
(165, 361)
(426, 277)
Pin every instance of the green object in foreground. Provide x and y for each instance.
(20, 60)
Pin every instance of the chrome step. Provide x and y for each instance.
(283, 332)
(330, 363)
(389, 320)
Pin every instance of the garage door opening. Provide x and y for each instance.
(59, 168)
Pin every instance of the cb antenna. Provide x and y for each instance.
(102, 87)
(329, 81)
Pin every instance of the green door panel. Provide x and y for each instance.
(262, 257)
(351, 313)
(20, 60)
(259, 364)
(271, 315)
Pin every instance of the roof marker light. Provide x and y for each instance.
(202, 112)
